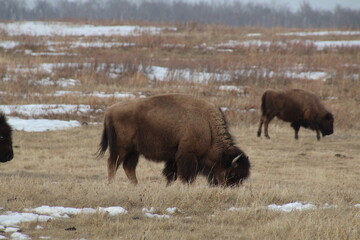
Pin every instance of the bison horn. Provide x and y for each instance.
(234, 161)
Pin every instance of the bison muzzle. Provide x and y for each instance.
(189, 134)
(299, 107)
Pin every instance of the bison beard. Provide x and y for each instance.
(188, 134)
(299, 107)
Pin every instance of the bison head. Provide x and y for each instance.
(326, 125)
(6, 151)
(239, 169)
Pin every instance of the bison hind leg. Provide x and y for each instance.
(267, 120)
(115, 159)
(170, 172)
(129, 166)
(113, 164)
(260, 126)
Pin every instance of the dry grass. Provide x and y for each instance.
(64, 172)
(59, 168)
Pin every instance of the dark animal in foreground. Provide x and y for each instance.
(6, 150)
(188, 134)
(300, 107)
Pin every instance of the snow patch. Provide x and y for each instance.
(295, 206)
(65, 212)
(19, 236)
(173, 210)
(65, 29)
(150, 214)
(14, 218)
(45, 109)
(41, 125)
(237, 209)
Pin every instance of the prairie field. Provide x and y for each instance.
(84, 67)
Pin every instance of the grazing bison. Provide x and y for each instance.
(6, 151)
(297, 106)
(188, 134)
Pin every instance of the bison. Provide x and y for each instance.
(189, 134)
(6, 150)
(300, 107)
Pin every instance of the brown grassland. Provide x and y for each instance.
(58, 168)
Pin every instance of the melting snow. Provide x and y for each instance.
(62, 82)
(320, 33)
(14, 218)
(236, 209)
(65, 29)
(8, 44)
(12, 229)
(154, 215)
(40, 125)
(150, 213)
(19, 236)
(291, 207)
(64, 212)
(173, 210)
(164, 74)
(44, 109)
(94, 94)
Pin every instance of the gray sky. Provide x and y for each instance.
(294, 4)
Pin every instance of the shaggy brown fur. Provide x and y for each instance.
(188, 134)
(297, 106)
(6, 150)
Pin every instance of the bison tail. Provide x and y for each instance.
(103, 143)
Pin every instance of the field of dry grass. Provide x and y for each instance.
(58, 168)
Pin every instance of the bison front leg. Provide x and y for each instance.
(170, 172)
(296, 127)
(129, 166)
(318, 134)
(260, 126)
(187, 167)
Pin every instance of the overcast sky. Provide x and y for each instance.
(294, 4)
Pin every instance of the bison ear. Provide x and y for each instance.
(329, 116)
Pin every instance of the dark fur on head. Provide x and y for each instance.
(239, 169)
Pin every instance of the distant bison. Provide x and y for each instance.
(188, 134)
(297, 106)
(6, 150)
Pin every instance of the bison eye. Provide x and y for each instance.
(2, 138)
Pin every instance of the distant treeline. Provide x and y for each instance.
(234, 13)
